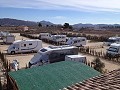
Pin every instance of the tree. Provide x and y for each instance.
(70, 27)
(98, 65)
(40, 25)
(66, 25)
(47, 25)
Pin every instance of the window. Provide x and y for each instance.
(43, 50)
(78, 40)
(30, 43)
(83, 39)
(75, 41)
(24, 45)
(111, 40)
(54, 55)
(113, 49)
(57, 37)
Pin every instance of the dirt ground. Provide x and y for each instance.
(25, 58)
(109, 65)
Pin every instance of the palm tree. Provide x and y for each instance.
(98, 65)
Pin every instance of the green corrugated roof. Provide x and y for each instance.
(52, 76)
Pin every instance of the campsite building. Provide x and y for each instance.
(50, 77)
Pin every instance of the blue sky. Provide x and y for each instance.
(61, 11)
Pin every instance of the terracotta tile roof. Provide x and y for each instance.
(108, 81)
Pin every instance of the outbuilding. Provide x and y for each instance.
(50, 77)
(8, 39)
(77, 58)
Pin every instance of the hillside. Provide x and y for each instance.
(44, 23)
(15, 22)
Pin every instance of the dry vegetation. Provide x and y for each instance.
(36, 30)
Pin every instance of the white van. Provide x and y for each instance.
(113, 50)
(58, 38)
(77, 58)
(52, 54)
(112, 40)
(76, 41)
(44, 35)
(20, 46)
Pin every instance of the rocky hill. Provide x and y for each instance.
(15, 22)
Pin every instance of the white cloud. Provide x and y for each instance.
(84, 5)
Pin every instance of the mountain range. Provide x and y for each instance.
(16, 22)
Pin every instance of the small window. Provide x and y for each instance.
(57, 37)
(83, 39)
(75, 41)
(24, 45)
(30, 43)
(43, 50)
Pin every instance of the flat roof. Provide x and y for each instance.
(75, 56)
(59, 35)
(49, 48)
(45, 33)
(52, 76)
(115, 44)
(26, 40)
(77, 37)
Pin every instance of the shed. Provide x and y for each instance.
(77, 58)
(9, 39)
(51, 77)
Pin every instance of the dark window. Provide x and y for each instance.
(24, 45)
(111, 40)
(83, 39)
(113, 49)
(43, 50)
(75, 41)
(78, 40)
(30, 43)
(54, 55)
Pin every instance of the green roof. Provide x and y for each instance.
(52, 76)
